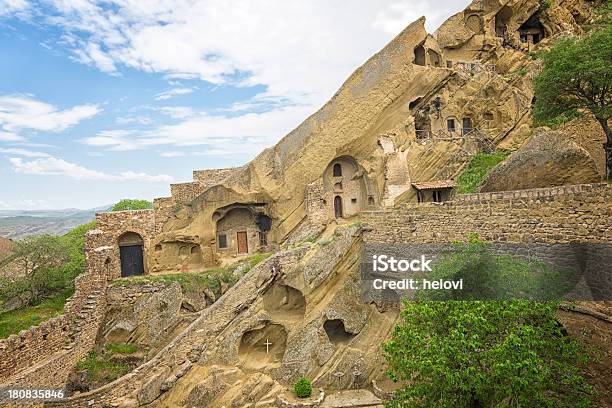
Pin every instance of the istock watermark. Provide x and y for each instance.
(477, 270)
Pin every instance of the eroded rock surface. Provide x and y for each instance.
(549, 159)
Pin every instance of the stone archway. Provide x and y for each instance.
(131, 254)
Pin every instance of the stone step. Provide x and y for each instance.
(352, 398)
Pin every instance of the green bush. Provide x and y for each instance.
(303, 388)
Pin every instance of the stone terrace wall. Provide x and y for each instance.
(579, 213)
(44, 355)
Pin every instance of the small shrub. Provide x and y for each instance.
(303, 388)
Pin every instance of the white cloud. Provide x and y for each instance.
(51, 166)
(220, 134)
(10, 137)
(171, 93)
(23, 152)
(22, 112)
(177, 112)
(12, 6)
(297, 49)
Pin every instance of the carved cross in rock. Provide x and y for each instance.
(267, 344)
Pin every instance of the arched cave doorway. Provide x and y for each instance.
(338, 206)
(131, 251)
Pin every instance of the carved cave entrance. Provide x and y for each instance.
(131, 251)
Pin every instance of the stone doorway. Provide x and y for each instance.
(131, 250)
(338, 206)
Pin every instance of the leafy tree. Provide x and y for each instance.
(458, 354)
(577, 76)
(130, 205)
(49, 265)
(471, 354)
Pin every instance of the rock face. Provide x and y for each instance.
(549, 159)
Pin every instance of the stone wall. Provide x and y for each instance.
(579, 213)
(186, 192)
(44, 355)
(111, 225)
(212, 177)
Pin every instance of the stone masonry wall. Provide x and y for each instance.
(209, 178)
(578, 213)
(44, 355)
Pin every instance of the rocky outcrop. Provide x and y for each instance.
(549, 159)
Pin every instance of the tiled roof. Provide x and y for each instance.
(431, 185)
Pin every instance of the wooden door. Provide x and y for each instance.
(338, 206)
(243, 243)
(131, 260)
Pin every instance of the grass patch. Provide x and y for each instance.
(102, 369)
(194, 282)
(121, 348)
(478, 168)
(16, 320)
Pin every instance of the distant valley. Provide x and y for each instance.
(17, 224)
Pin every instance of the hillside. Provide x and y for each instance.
(5, 246)
(17, 224)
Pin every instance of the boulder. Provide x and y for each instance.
(549, 159)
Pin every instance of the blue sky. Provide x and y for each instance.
(103, 100)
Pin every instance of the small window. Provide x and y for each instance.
(450, 125)
(263, 238)
(437, 196)
(371, 200)
(449, 64)
(222, 241)
(194, 250)
(158, 247)
(337, 171)
(354, 200)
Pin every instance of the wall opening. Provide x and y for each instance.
(335, 331)
(338, 207)
(131, 253)
(284, 302)
(222, 241)
(502, 18)
(419, 55)
(532, 30)
(337, 170)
